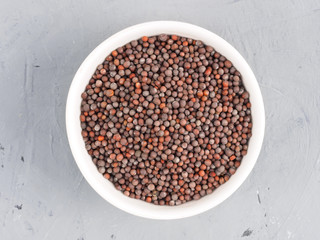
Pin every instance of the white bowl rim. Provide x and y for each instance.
(105, 188)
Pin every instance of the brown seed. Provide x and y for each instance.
(117, 137)
(183, 122)
(151, 187)
(109, 93)
(119, 157)
(123, 141)
(99, 83)
(188, 127)
(228, 64)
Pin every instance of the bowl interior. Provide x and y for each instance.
(106, 188)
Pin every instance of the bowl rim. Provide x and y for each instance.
(105, 188)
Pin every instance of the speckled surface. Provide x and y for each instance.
(43, 194)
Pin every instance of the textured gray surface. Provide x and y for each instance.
(42, 193)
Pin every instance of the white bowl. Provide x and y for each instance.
(104, 187)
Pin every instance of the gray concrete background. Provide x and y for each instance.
(43, 194)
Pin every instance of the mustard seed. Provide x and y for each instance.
(166, 119)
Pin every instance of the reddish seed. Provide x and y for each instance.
(113, 112)
(114, 53)
(151, 106)
(121, 81)
(174, 37)
(188, 127)
(119, 157)
(200, 94)
(225, 84)
(82, 118)
(204, 98)
(116, 62)
(107, 176)
(117, 137)
(208, 71)
(162, 105)
(183, 122)
(103, 71)
(109, 93)
(100, 138)
(145, 38)
(138, 85)
(228, 64)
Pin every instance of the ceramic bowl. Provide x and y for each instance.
(104, 187)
